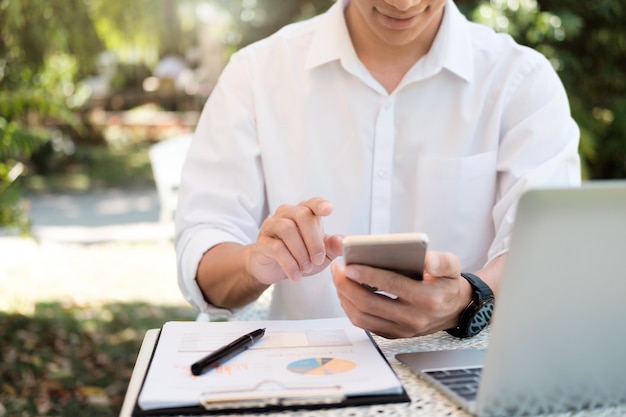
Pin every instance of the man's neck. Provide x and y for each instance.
(386, 62)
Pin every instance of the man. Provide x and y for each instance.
(378, 116)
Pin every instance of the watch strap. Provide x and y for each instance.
(480, 289)
(481, 293)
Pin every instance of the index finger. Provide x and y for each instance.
(318, 205)
(313, 232)
(306, 241)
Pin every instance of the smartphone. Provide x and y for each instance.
(399, 252)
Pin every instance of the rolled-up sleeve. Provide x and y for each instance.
(221, 196)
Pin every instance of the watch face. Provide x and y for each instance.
(481, 318)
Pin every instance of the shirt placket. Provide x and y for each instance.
(382, 168)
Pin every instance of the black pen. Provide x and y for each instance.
(215, 359)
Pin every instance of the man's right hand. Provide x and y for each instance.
(292, 243)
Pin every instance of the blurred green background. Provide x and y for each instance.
(87, 86)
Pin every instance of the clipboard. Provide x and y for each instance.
(270, 396)
(232, 403)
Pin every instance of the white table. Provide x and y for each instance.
(425, 400)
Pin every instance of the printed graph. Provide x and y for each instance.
(321, 366)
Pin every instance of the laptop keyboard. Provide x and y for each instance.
(462, 381)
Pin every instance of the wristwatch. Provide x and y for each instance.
(478, 312)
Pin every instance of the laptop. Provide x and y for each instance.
(557, 340)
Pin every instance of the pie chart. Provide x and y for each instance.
(321, 366)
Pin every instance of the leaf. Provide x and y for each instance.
(94, 395)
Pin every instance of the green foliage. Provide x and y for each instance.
(260, 18)
(142, 30)
(41, 44)
(595, 74)
(31, 115)
(93, 167)
(15, 143)
(31, 30)
(47, 45)
(11, 213)
(31, 107)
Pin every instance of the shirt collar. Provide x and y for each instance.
(453, 44)
(451, 49)
(331, 40)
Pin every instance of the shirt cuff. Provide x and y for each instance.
(189, 256)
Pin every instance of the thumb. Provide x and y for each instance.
(442, 264)
(333, 246)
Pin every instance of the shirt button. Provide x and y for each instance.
(382, 173)
(388, 106)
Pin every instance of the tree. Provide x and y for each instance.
(594, 71)
(259, 19)
(36, 84)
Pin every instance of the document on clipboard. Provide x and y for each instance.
(297, 364)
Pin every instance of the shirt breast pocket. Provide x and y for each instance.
(455, 197)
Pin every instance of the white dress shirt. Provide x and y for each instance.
(472, 125)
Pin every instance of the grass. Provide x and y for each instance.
(70, 360)
(72, 318)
